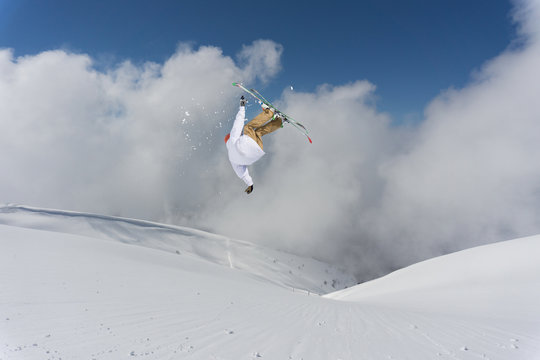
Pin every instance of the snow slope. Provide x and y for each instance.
(283, 269)
(79, 286)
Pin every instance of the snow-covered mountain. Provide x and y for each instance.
(81, 286)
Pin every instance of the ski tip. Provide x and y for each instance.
(234, 84)
(311, 142)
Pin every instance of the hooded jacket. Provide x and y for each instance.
(242, 149)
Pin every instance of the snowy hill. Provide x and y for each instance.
(281, 268)
(80, 286)
(487, 276)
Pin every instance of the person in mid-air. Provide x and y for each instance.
(244, 143)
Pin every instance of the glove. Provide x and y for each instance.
(243, 101)
(249, 189)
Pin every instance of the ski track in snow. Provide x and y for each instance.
(73, 286)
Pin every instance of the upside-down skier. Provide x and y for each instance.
(244, 143)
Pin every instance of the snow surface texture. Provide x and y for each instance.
(74, 286)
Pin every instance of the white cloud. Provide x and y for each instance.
(136, 140)
(261, 60)
(472, 173)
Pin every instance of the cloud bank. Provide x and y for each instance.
(147, 141)
(133, 140)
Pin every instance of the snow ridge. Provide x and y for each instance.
(293, 271)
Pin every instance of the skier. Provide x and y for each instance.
(244, 143)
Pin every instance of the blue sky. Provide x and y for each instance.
(411, 50)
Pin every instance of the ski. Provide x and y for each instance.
(281, 112)
(255, 94)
